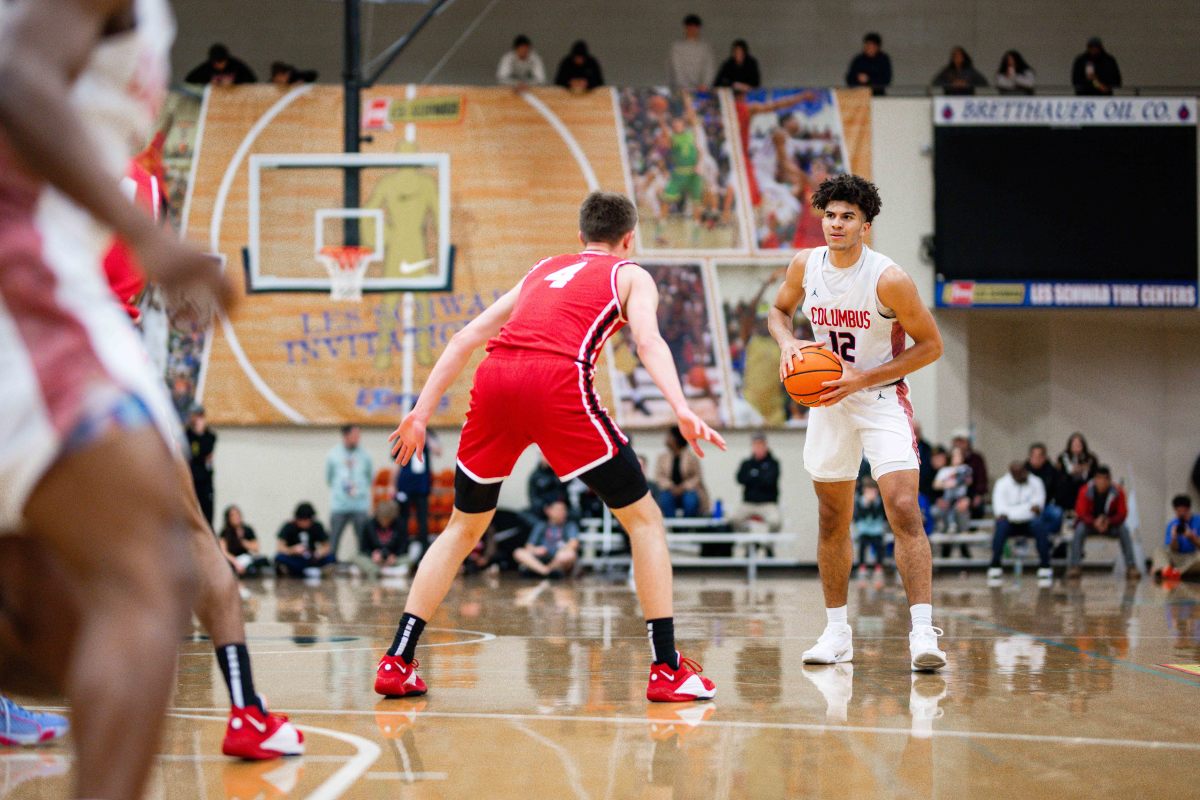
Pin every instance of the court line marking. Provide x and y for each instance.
(483, 637)
(812, 727)
(569, 763)
(214, 231)
(585, 166)
(367, 753)
(459, 42)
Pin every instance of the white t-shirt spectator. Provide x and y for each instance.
(1016, 501)
(515, 70)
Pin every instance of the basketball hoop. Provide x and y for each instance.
(347, 267)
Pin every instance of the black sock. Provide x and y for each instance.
(235, 666)
(662, 641)
(405, 642)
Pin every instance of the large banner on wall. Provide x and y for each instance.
(460, 190)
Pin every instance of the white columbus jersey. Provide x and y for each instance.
(844, 309)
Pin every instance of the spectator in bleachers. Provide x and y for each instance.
(870, 524)
(1018, 499)
(871, 68)
(284, 74)
(385, 542)
(938, 458)
(1095, 71)
(959, 76)
(202, 445)
(1100, 510)
(1039, 464)
(221, 69)
(681, 479)
(1076, 466)
(414, 483)
(1014, 75)
(553, 546)
(544, 487)
(650, 482)
(953, 509)
(521, 67)
(979, 473)
(1180, 552)
(691, 64)
(740, 70)
(302, 546)
(348, 474)
(240, 545)
(759, 477)
(579, 71)
(925, 471)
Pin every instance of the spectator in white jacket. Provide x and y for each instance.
(1017, 502)
(521, 67)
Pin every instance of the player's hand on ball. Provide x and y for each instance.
(851, 381)
(792, 350)
(695, 429)
(408, 440)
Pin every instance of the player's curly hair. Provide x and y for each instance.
(850, 189)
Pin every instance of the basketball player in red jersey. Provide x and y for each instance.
(535, 387)
(95, 586)
(252, 733)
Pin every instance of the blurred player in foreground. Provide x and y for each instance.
(863, 307)
(96, 586)
(535, 387)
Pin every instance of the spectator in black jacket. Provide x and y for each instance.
(579, 71)
(414, 483)
(759, 477)
(959, 76)
(1039, 464)
(544, 489)
(1095, 71)
(221, 69)
(202, 444)
(740, 70)
(872, 67)
(979, 474)
(925, 471)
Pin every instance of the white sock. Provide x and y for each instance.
(922, 614)
(836, 616)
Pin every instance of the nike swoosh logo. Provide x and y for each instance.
(408, 269)
(261, 728)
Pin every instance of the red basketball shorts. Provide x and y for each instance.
(519, 400)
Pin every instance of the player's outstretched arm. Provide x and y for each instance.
(896, 291)
(641, 309)
(409, 438)
(780, 317)
(44, 45)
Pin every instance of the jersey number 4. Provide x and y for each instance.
(560, 278)
(842, 343)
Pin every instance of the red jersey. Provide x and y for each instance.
(568, 306)
(125, 276)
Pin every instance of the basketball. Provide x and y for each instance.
(803, 383)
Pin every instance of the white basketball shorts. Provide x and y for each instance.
(876, 423)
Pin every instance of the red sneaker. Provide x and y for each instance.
(679, 686)
(395, 678)
(257, 737)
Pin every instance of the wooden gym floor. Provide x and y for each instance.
(536, 691)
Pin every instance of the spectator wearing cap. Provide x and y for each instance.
(740, 70)
(1101, 510)
(1095, 71)
(871, 68)
(348, 474)
(979, 474)
(691, 63)
(521, 67)
(579, 71)
(302, 545)
(202, 444)
(759, 477)
(1180, 552)
(221, 69)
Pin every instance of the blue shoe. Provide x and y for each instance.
(20, 727)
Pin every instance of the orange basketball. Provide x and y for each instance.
(803, 383)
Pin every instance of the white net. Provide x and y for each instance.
(347, 267)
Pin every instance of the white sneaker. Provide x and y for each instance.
(836, 685)
(923, 646)
(1045, 573)
(995, 572)
(833, 647)
(923, 699)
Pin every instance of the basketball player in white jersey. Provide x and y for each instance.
(96, 587)
(863, 307)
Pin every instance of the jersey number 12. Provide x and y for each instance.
(842, 343)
